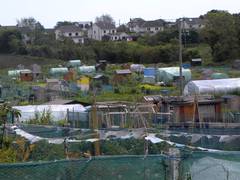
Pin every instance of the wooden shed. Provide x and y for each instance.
(121, 76)
(26, 75)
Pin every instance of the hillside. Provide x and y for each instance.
(10, 61)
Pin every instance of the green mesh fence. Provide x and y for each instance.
(210, 166)
(124, 167)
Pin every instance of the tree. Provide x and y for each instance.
(220, 33)
(5, 110)
(105, 19)
(31, 23)
(123, 28)
(64, 23)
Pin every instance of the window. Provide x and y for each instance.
(76, 34)
(148, 29)
(156, 28)
(70, 34)
(104, 31)
(113, 31)
(94, 32)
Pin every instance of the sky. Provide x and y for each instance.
(48, 12)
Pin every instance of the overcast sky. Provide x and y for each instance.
(48, 12)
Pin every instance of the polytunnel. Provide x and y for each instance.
(168, 74)
(214, 87)
(86, 69)
(74, 63)
(58, 71)
(57, 112)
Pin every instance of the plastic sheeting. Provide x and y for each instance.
(58, 112)
(219, 76)
(168, 74)
(214, 87)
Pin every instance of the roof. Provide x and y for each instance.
(193, 21)
(123, 71)
(61, 102)
(136, 21)
(69, 28)
(105, 25)
(155, 23)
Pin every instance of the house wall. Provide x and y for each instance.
(152, 29)
(75, 36)
(97, 33)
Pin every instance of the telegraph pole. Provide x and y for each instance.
(180, 56)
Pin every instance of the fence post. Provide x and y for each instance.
(174, 154)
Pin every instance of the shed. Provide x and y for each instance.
(74, 63)
(84, 83)
(172, 74)
(137, 68)
(190, 110)
(56, 72)
(121, 76)
(151, 71)
(101, 65)
(26, 75)
(215, 86)
(196, 62)
(86, 70)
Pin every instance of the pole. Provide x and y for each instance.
(180, 57)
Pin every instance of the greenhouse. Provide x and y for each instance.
(74, 63)
(58, 71)
(86, 70)
(215, 87)
(57, 112)
(219, 76)
(170, 74)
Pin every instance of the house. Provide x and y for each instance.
(135, 24)
(139, 25)
(74, 32)
(121, 36)
(191, 23)
(101, 31)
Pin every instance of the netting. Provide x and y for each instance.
(196, 166)
(122, 167)
(212, 166)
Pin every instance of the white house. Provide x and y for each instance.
(192, 23)
(121, 36)
(99, 30)
(139, 25)
(76, 33)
